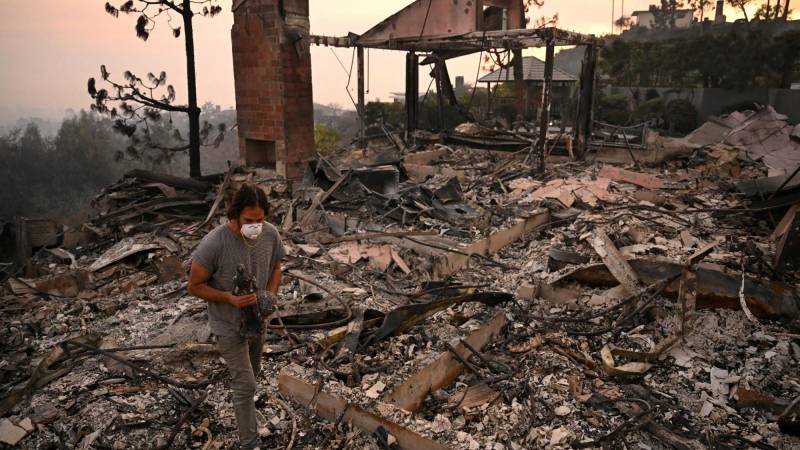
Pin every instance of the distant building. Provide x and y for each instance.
(533, 74)
(533, 71)
(646, 19)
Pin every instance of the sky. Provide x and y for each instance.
(49, 48)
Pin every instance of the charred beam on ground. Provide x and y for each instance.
(411, 393)
(331, 408)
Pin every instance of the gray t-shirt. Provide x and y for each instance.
(221, 252)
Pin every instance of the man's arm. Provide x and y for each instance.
(274, 282)
(199, 287)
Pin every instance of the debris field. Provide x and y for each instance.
(436, 296)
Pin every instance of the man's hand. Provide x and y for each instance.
(242, 301)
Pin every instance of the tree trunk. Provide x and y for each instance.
(786, 10)
(191, 84)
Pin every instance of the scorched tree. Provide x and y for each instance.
(138, 104)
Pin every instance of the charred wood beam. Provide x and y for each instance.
(332, 408)
(544, 111)
(583, 129)
(715, 289)
(412, 93)
(170, 180)
(411, 393)
(520, 87)
(361, 107)
(474, 41)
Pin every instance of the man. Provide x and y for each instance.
(249, 241)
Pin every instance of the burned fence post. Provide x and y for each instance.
(520, 88)
(361, 109)
(544, 111)
(412, 93)
(583, 124)
(23, 242)
(439, 76)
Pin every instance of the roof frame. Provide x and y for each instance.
(474, 41)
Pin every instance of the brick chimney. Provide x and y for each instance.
(272, 73)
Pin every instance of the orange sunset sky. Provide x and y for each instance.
(48, 49)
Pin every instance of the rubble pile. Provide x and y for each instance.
(434, 297)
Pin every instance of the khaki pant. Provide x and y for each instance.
(243, 358)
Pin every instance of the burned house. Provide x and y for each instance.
(438, 294)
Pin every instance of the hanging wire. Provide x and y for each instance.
(477, 75)
(349, 77)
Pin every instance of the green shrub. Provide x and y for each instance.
(326, 139)
(614, 109)
(651, 94)
(650, 109)
(681, 115)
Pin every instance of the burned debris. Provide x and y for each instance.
(475, 288)
(482, 304)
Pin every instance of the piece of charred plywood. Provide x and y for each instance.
(613, 259)
(785, 223)
(43, 233)
(169, 268)
(715, 289)
(478, 395)
(787, 256)
(626, 176)
(67, 284)
(450, 263)
(419, 173)
(426, 18)
(428, 157)
(332, 408)
(411, 393)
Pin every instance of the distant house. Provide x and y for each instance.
(533, 71)
(646, 19)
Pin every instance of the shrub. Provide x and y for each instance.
(651, 94)
(681, 115)
(614, 109)
(648, 110)
(326, 139)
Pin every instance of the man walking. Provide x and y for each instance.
(248, 241)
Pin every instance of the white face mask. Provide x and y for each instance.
(252, 230)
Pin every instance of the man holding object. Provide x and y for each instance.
(246, 240)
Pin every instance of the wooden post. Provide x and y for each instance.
(439, 73)
(489, 102)
(23, 242)
(544, 114)
(362, 131)
(583, 123)
(412, 93)
(520, 85)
